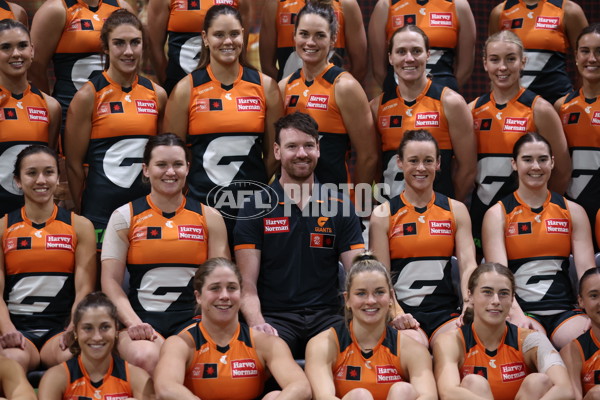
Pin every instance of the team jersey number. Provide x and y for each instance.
(586, 164)
(492, 174)
(33, 294)
(224, 156)
(154, 295)
(419, 279)
(534, 278)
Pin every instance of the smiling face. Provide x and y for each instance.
(125, 48)
(419, 164)
(313, 39)
(167, 169)
(224, 39)
(16, 52)
(409, 56)
(369, 297)
(534, 165)
(588, 56)
(38, 177)
(589, 298)
(298, 153)
(491, 298)
(219, 298)
(504, 62)
(96, 333)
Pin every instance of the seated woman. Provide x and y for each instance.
(95, 372)
(581, 355)
(207, 360)
(338, 361)
(490, 358)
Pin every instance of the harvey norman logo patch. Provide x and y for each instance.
(440, 20)
(427, 119)
(557, 225)
(513, 372)
(318, 102)
(37, 114)
(387, 374)
(550, 23)
(243, 368)
(515, 124)
(117, 396)
(248, 103)
(146, 107)
(276, 225)
(59, 242)
(440, 228)
(191, 232)
(596, 118)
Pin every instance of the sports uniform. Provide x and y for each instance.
(186, 19)
(165, 250)
(421, 242)
(538, 245)
(114, 385)
(581, 123)
(589, 346)
(375, 371)
(439, 20)
(541, 28)
(287, 58)
(396, 115)
(233, 372)
(5, 11)
(505, 368)
(39, 263)
(299, 256)
(317, 98)
(77, 55)
(122, 121)
(497, 128)
(24, 120)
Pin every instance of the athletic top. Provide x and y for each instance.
(504, 368)
(287, 58)
(589, 347)
(24, 120)
(122, 121)
(541, 28)
(317, 98)
(165, 250)
(39, 263)
(439, 20)
(396, 115)
(186, 19)
(538, 245)
(581, 122)
(421, 244)
(497, 128)
(5, 11)
(114, 386)
(375, 371)
(77, 55)
(233, 372)
(300, 249)
(226, 130)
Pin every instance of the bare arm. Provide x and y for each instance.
(378, 41)
(141, 383)
(158, 20)
(378, 234)
(417, 361)
(20, 13)
(465, 247)
(348, 256)
(267, 46)
(55, 120)
(562, 388)
(572, 358)
(177, 115)
(245, 10)
(494, 23)
(549, 126)
(321, 353)
(273, 113)
(78, 131)
(356, 39)
(581, 239)
(575, 21)
(465, 48)
(175, 353)
(9, 336)
(53, 383)
(162, 98)
(218, 246)
(462, 136)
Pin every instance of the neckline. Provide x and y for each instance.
(214, 78)
(45, 223)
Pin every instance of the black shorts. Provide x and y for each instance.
(430, 321)
(39, 337)
(297, 327)
(552, 322)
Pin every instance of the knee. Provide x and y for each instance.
(358, 394)
(593, 394)
(534, 386)
(477, 384)
(24, 359)
(417, 335)
(141, 353)
(402, 390)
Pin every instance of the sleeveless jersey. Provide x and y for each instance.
(504, 368)
(541, 28)
(114, 386)
(581, 123)
(317, 98)
(233, 372)
(122, 121)
(165, 250)
(5, 11)
(77, 55)
(589, 349)
(439, 20)
(421, 244)
(497, 128)
(186, 19)
(39, 262)
(287, 58)
(538, 245)
(226, 130)
(396, 115)
(375, 371)
(24, 120)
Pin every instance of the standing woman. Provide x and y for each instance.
(47, 265)
(580, 112)
(419, 103)
(160, 239)
(503, 116)
(332, 97)
(533, 231)
(489, 358)
(449, 25)
(95, 371)
(207, 361)
(226, 109)
(278, 56)
(547, 29)
(28, 116)
(338, 360)
(109, 123)
(415, 235)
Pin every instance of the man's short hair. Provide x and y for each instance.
(300, 121)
